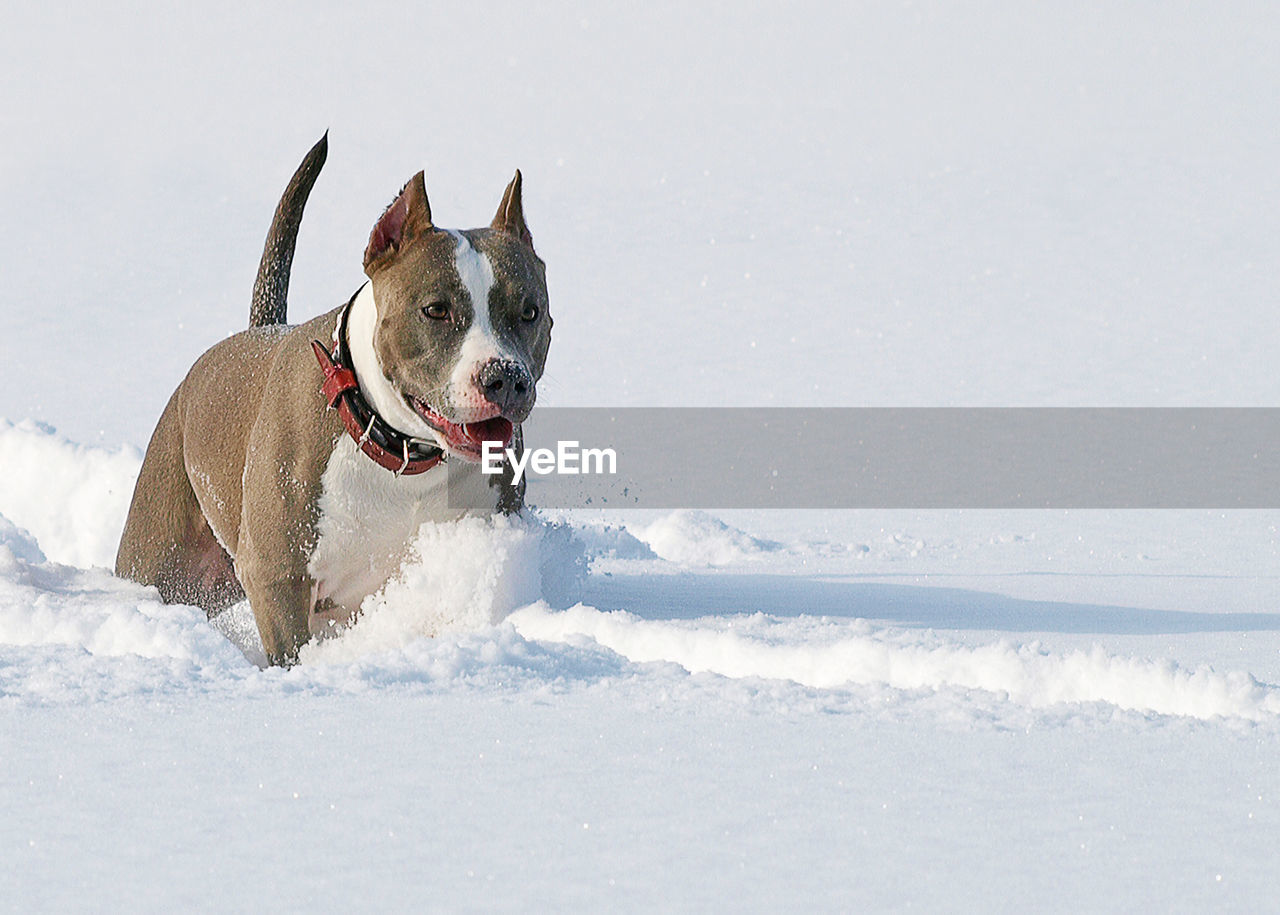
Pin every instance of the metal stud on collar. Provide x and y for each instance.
(406, 458)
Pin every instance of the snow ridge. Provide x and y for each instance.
(840, 655)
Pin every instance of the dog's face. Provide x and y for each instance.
(463, 322)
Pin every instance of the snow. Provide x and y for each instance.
(908, 204)
(692, 537)
(828, 655)
(74, 498)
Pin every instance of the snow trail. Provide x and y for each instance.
(843, 654)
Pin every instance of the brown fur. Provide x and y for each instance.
(240, 414)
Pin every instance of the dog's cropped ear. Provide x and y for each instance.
(510, 217)
(408, 217)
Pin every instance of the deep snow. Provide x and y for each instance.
(876, 205)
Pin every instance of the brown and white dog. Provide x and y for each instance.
(259, 483)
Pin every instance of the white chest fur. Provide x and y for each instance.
(369, 517)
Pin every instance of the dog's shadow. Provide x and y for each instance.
(689, 595)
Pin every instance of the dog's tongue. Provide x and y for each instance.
(498, 429)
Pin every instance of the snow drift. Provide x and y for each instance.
(487, 589)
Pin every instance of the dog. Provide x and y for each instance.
(294, 464)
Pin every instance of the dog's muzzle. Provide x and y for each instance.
(508, 386)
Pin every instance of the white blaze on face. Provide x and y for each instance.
(481, 343)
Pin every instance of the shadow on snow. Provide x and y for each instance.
(691, 595)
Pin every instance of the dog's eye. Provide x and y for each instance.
(437, 311)
(530, 312)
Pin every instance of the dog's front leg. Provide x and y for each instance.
(277, 537)
(279, 514)
(281, 606)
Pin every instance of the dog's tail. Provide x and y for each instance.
(271, 288)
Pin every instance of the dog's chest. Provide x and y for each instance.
(368, 518)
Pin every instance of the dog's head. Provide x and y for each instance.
(463, 323)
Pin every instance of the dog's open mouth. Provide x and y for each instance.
(467, 438)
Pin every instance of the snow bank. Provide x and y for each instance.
(699, 539)
(43, 603)
(828, 655)
(71, 634)
(72, 498)
(464, 576)
(470, 607)
(62, 630)
(67, 629)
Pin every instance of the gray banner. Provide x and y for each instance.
(908, 458)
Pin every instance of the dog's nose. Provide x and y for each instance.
(507, 385)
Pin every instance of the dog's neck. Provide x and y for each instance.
(362, 320)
